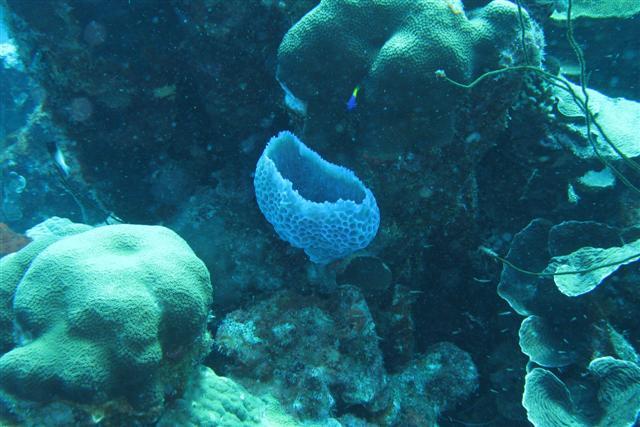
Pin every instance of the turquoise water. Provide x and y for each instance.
(449, 234)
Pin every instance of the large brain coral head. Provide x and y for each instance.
(116, 312)
(392, 49)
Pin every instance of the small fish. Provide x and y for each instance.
(58, 158)
(353, 102)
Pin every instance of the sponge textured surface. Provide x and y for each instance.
(107, 313)
(315, 205)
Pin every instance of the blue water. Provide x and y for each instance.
(452, 238)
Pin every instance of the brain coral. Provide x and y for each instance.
(110, 313)
(313, 204)
(13, 266)
(392, 49)
(211, 400)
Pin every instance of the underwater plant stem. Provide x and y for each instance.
(582, 103)
(522, 32)
(494, 255)
(580, 55)
(588, 116)
(441, 74)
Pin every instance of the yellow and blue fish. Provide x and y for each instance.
(353, 100)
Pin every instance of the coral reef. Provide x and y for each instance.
(99, 64)
(565, 328)
(211, 400)
(111, 314)
(421, 142)
(590, 10)
(193, 122)
(319, 355)
(549, 402)
(14, 266)
(156, 112)
(30, 189)
(247, 260)
(308, 348)
(18, 93)
(433, 383)
(392, 50)
(616, 115)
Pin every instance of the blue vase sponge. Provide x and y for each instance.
(315, 205)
